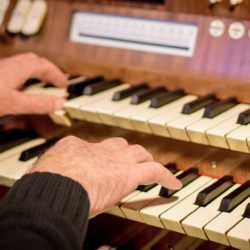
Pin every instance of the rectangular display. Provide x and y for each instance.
(157, 36)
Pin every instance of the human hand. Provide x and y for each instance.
(108, 170)
(14, 71)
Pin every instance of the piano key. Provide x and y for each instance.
(217, 135)
(151, 211)
(14, 137)
(131, 207)
(158, 122)
(90, 112)
(177, 127)
(210, 193)
(12, 169)
(244, 117)
(217, 229)
(21, 147)
(102, 111)
(145, 95)
(100, 86)
(219, 107)
(120, 95)
(239, 235)
(153, 120)
(238, 139)
(37, 150)
(197, 130)
(76, 89)
(172, 218)
(73, 106)
(199, 103)
(194, 223)
(166, 98)
(247, 211)
(237, 196)
(186, 177)
(116, 209)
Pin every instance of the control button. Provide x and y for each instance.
(236, 30)
(216, 28)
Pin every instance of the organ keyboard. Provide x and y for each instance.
(193, 93)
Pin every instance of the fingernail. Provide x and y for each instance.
(176, 185)
(59, 103)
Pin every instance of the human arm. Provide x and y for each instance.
(107, 171)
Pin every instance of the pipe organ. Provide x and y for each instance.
(171, 75)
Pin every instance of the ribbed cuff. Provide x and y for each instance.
(49, 199)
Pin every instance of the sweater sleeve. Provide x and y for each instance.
(44, 211)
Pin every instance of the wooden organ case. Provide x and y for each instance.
(218, 61)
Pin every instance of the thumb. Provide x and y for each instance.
(153, 172)
(21, 103)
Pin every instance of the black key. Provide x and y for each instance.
(122, 94)
(49, 85)
(210, 193)
(100, 86)
(73, 77)
(170, 166)
(166, 97)
(14, 137)
(233, 199)
(145, 188)
(199, 103)
(75, 90)
(30, 82)
(244, 117)
(146, 95)
(247, 211)
(37, 150)
(219, 107)
(186, 177)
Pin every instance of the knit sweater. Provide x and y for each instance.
(44, 211)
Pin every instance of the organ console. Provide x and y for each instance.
(170, 75)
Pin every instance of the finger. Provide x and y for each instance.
(113, 144)
(19, 103)
(153, 172)
(135, 154)
(29, 65)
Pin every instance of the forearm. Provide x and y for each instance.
(44, 211)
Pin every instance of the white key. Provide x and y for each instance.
(197, 131)
(73, 106)
(131, 208)
(19, 16)
(123, 116)
(239, 235)
(35, 18)
(141, 119)
(217, 135)
(248, 141)
(158, 123)
(172, 218)
(20, 148)
(116, 210)
(237, 139)
(194, 223)
(90, 112)
(152, 211)
(61, 117)
(177, 127)
(11, 169)
(4, 5)
(216, 229)
(107, 110)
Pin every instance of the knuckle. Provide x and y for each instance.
(138, 149)
(31, 55)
